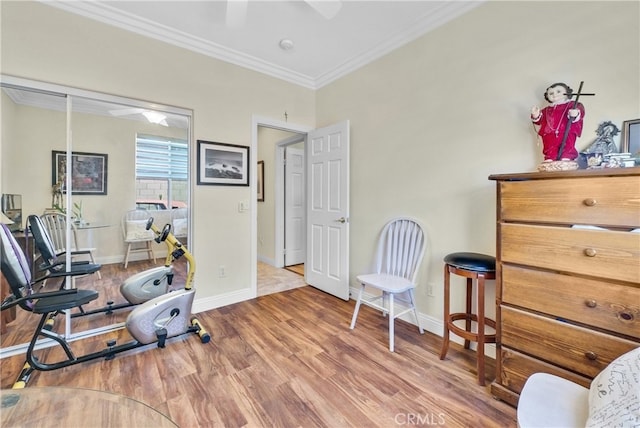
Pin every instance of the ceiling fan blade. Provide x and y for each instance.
(327, 8)
(236, 13)
(126, 111)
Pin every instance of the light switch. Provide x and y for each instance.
(243, 206)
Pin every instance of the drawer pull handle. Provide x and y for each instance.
(591, 355)
(590, 202)
(591, 303)
(627, 316)
(590, 252)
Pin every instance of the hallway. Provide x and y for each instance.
(273, 280)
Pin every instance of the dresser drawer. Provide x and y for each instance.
(604, 254)
(574, 348)
(603, 201)
(601, 304)
(516, 369)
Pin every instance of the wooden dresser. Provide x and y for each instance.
(568, 299)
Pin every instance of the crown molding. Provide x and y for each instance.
(106, 14)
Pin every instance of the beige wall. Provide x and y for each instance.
(28, 167)
(43, 43)
(429, 122)
(432, 120)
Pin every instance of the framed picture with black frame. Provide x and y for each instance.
(630, 139)
(88, 172)
(223, 164)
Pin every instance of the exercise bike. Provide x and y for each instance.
(156, 320)
(137, 289)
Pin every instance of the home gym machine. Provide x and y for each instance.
(163, 317)
(137, 289)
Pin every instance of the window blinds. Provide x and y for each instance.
(161, 158)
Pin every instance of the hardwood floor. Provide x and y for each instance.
(299, 269)
(287, 359)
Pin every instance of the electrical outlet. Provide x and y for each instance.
(222, 271)
(430, 290)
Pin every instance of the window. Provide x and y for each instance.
(162, 166)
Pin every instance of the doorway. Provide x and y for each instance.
(280, 213)
(327, 205)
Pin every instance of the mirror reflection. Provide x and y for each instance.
(125, 157)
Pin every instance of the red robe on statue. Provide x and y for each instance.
(553, 122)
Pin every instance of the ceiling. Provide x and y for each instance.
(324, 49)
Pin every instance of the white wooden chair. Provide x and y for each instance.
(179, 222)
(401, 247)
(134, 231)
(56, 225)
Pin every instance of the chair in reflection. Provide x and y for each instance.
(56, 225)
(401, 247)
(136, 236)
(179, 222)
(52, 263)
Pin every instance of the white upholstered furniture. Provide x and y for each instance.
(613, 400)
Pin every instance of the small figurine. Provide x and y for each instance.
(604, 142)
(56, 194)
(554, 120)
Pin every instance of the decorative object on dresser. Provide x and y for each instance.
(560, 124)
(471, 266)
(630, 140)
(568, 299)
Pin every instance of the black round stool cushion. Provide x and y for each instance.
(474, 262)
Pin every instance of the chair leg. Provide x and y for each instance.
(94, 261)
(392, 320)
(126, 255)
(445, 336)
(357, 308)
(415, 310)
(150, 251)
(481, 334)
(467, 342)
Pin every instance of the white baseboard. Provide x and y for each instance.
(429, 323)
(207, 303)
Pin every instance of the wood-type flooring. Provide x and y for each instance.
(286, 359)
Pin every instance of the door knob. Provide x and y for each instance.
(341, 220)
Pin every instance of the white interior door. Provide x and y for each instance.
(295, 248)
(327, 163)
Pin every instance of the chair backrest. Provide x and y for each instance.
(56, 225)
(14, 266)
(42, 240)
(134, 226)
(179, 222)
(401, 247)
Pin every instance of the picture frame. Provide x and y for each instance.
(222, 164)
(630, 137)
(88, 172)
(260, 177)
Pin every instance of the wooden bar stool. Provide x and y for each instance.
(471, 266)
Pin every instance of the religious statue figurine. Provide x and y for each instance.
(604, 142)
(56, 194)
(560, 124)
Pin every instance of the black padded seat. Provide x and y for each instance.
(49, 304)
(471, 261)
